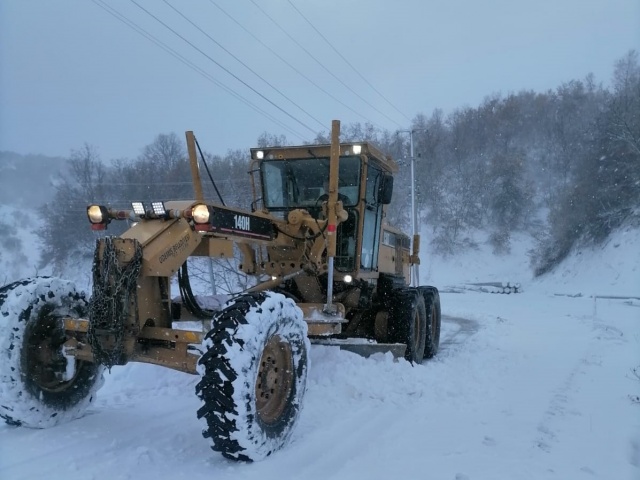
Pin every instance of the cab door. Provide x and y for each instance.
(372, 219)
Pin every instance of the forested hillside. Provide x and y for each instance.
(28, 178)
(563, 165)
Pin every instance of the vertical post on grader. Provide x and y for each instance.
(193, 161)
(331, 208)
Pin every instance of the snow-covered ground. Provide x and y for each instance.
(534, 385)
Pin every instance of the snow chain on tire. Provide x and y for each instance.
(240, 370)
(40, 386)
(113, 286)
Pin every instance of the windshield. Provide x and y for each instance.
(300, 183)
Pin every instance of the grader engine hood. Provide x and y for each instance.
(166, 243)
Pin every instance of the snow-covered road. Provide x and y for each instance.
(527, 386)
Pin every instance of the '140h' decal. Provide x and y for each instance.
(225, 222)
(242, 222)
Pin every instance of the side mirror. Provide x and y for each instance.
(385, 189)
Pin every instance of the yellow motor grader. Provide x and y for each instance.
(328, 270)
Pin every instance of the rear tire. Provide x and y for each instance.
(39, 385)
(408, 322)
(254, 371)
(434, 320)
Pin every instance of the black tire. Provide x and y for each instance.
(408, 322)
(39, 386)
(256, 342)
(434, 319)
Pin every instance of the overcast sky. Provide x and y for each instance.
(71, 72)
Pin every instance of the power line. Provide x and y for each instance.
(191, 65)
(322, 65)
(155, 184)
(289, 64)
(223, 68)
(244, 64)
(141, 31)
(347, 61)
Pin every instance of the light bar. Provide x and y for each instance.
(138, 209)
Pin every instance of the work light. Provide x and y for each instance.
(138, 209)
(158, 209)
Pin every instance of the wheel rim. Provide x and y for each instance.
(275, 380)
(45, 364)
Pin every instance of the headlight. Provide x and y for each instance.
(200, 213)
(97, 214)
(348, 279)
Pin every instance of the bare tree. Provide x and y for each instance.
(66, 228)
(165, 152)
(624, 123)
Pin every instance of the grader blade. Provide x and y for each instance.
(363, 347)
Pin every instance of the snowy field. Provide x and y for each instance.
(534, 385)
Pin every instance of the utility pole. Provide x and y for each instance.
(212, 277)
(415, 274)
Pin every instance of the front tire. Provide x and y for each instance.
(39, 385)
(254, 371)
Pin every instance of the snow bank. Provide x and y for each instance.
(610, 269)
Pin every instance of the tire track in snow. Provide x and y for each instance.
(457, 331)
(560, 404)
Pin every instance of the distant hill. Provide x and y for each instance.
(28, 178)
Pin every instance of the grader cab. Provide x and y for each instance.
(327, 267)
